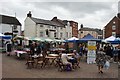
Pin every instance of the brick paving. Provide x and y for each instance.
(14, 68)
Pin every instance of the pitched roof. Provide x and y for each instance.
(58, 21)
(9, 20)
(86, 29)
(47, 22)
(115, 17)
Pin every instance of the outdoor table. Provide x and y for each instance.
(35, 58)
(19, 53)
(27, 50)
(70, 54)
(53, 55)
(48, 58)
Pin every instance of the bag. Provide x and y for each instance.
(107, 65)
(68, 67)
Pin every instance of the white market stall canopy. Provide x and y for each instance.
(2, 36)
(73, 38)
(111, 38)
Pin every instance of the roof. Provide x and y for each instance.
(86, 29)
(99, 31)
(115, 17)
(9, 20)
(47, 22)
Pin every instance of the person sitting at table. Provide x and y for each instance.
(33, 48)
(64, 59)
(74, 58)
(38, 48)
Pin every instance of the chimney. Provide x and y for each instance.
(29, 14)
(81, 26)
(118, 15)
(55, 17)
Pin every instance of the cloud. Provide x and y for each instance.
(90, 13)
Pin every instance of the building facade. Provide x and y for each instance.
(113, 27)
(10, 25)
(96, 33)
(35, 27)
(70, 26)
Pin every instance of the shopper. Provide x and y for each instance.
(100, 60)
(8, 48)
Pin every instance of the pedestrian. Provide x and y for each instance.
(8, 48)
(100, 60)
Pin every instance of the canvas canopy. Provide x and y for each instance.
(72, 39)
(112, 40)
(2, 36)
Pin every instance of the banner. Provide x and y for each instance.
(91, 55)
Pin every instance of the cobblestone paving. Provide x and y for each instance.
(14, 68)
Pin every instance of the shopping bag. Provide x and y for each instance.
(107, 65)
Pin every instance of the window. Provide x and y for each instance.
(41, 34)
(81, 32)
(70, 35)
(41, 25)
(61, 28)
(47, 32)
(114, 34)
(55, 34)
(61, 34)
(113, 27)
(15, 27)
(66, 34)
(113, 22)
(55, 27)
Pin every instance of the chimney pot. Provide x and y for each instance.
(29, 14)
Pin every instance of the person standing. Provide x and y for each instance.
(8, 48)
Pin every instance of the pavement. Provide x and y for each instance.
(15, 68)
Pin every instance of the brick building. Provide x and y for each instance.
(74, 28)
(113, 27)
(68, 24)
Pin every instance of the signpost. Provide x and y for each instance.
(91, 55)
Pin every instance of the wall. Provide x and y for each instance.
(74, 29)
(30, 28)
(4, 28)
(93, 33)
(69, 30)
(108, 27)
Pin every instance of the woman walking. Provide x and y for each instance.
(100, 60)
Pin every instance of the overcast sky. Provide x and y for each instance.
(90, 13)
